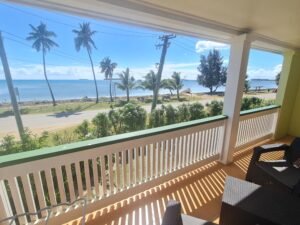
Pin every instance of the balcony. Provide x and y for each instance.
(128, 178)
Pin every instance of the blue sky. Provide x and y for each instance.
(128, 46)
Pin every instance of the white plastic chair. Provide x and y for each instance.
(12, 220)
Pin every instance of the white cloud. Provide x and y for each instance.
(261, 73)
(35, 71)
(202, 46)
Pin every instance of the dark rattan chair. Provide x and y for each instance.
(173, 216)
(277, 174)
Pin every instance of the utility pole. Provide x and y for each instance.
(165, 45)
(11, 88)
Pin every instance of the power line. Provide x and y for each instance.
(132, 33)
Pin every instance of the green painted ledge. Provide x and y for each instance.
(266, 108)
(22, 157)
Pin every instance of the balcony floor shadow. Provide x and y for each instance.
(199, 191)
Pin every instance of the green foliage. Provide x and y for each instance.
(183, 113)
(277, 78)
(212, 72)
(102, 125)
(214, 108)
(9, 145)
(133, 117)
(246, 85)
(157, 118)
(251, 103)
(65, 137)
(83, 130)
(116, 121)
(126, 82)
(170, 114)
(196, 111)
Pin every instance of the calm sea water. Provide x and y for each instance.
(36, 90)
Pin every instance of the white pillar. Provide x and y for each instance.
(236, 75)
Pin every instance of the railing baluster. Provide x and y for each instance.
(29, 195)
(124, 173)
(130, 174)
(70, 183)
(61, 187)
(40, 190)
(142, 164)
(111, 174)
(50, 186)
(79, 179)
(95, 176)
(117, 171)
(5, 207)
(176, 153)
(103, 175)
(16, 196)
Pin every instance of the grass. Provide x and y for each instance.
(78, 106)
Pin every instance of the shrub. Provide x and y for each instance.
(214, 108)
(116, 121)
(183, 113)
(133, 117)
(102, 125)
(251, 103)
(9, 145)
(83, 130)
(29, 141)
(65, 137)
(157, 118)
(170, 114)
(196, 111)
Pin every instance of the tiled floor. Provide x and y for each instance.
(199, 191)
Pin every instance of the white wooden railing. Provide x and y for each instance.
(104, 170)
(256, 125)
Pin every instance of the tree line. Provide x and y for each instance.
(212, 72)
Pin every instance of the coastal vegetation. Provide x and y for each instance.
(130, 117)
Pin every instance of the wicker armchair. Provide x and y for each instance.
(277, 174)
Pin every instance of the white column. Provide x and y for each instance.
(236, 74)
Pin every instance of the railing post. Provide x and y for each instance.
(239, 54)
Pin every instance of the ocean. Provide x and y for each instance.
(37, 90)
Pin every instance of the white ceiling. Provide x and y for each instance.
(273, 22)
(276, 19)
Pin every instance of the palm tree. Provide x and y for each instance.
(150, 81)
(107, 67)
(41, 38)
(178, 83)
(84, 40)
(127, 82)
(168, 84)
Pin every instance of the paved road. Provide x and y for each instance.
(55, 121)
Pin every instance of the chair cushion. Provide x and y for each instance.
(172, 214)
(190, 220)
(281, 171)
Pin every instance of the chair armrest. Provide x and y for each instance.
(259, 150)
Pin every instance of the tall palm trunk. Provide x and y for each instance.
(45, 74)
(110, 83)
(127, 92)
(92, 65)
(178, 97)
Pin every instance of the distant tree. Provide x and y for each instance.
(178, 83)
(246, 84)
(277, 78)
(214, 108)
(107, 67)
(127, 82)
(212, 72)
(149, 81)
(84, 39)
(168, 84)
(42, 41)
